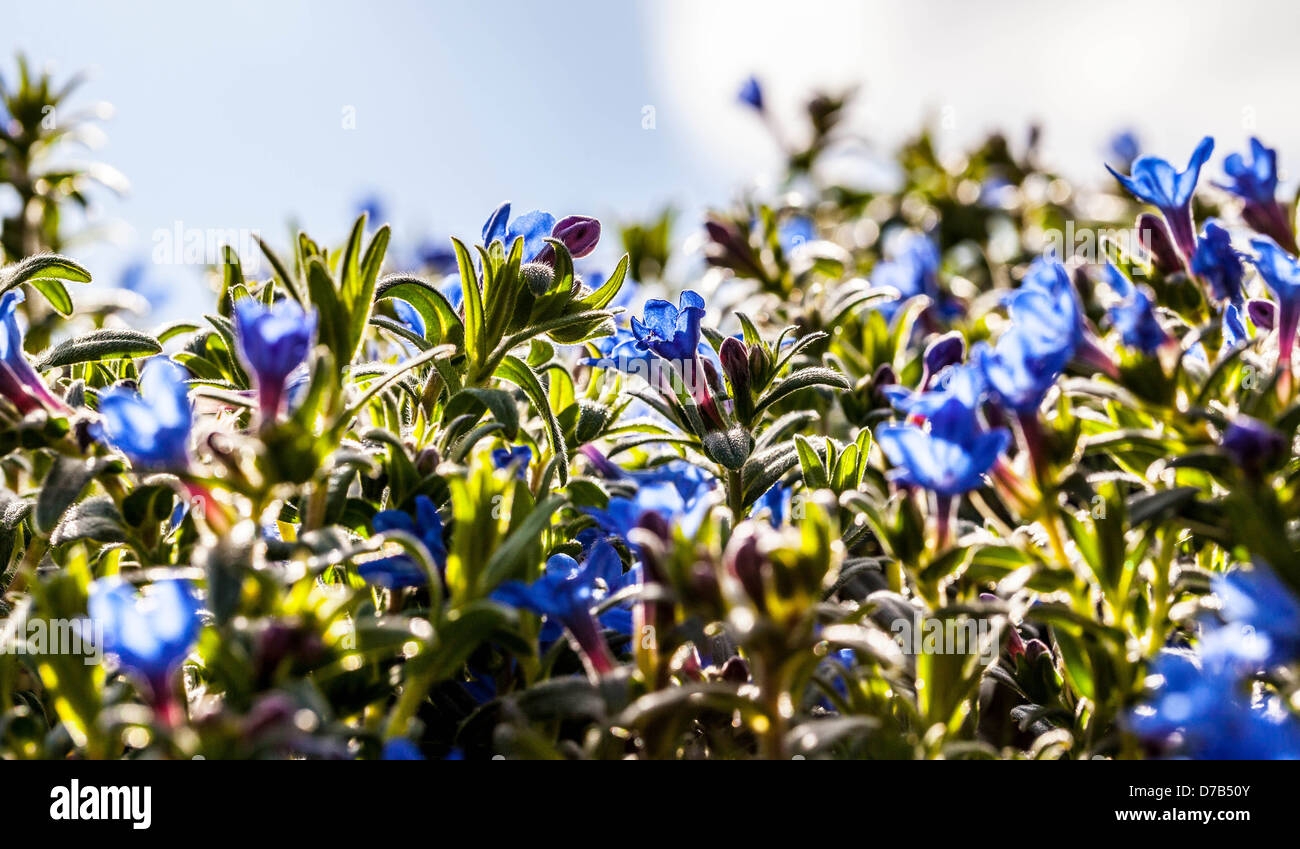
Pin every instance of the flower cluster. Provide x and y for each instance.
(555, 489)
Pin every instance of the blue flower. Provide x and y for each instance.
(1281, 275)
(1252, 445)
(1125, 147)
(1047, 309)
(1160, 184)
(152, 426)
(953, 456)
(678, 491)
(372, 206)
(1200, 709)
(1258, 599)
(409, 316)
(951, 408)
(150, 634)
(1018, 377)
(452, 291)
(437, 257)
(1218, 263)
(566, 592)
(672, 332)
(272, 342)
(751, 93)
(913, 271)
(1134, 316)
(1235, 333)
(533, 227)
(19, 382)
(795, 231)
(401, 749)
(518, 456)
(777, 502)
(947, 464)
(1254, 181)
(398, 571)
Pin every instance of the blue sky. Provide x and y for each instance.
(231, 115)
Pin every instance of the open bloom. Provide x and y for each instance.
(1134, 316)
(273, 341)
(398, 571)
(19, 382)
(1046, 308)
(566, 593)
(672, 332)
(518, 456)
(1255, 182)
(1200, 710)
(578, 233)
(152, 426)
(678, 491)
(1217, 263)
(1155, 181)
(953, 456)
(150, 634)
(1017, 374)
(946, 465)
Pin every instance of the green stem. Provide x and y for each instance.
(735, 495)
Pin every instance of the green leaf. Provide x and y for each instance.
(331, 329)
(441, 323)
(802, 379)
(99, 345)
(95, 518)
(815, 474)
(600, 298)
(42, 267)
(517, 372)
(475, 319)
(63, 485)
(498, 401)
(505, 561)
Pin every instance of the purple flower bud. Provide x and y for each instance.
(1036, 648)
(1263, 314)
(735, 670)
(1253, 445)
(746, 563)
(735, 362)
(1155, 238)
(944, 351)
(578, 233)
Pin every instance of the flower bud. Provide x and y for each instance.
(538, 276)
(746, 563)
(729, 447)
(1036, 648)
(735, 362)
(1263, 314)
(735, 670)
(1253, 445)
(945, 351)
(579, 233)
(1155, 238)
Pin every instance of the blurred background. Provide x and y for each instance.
(261, 116)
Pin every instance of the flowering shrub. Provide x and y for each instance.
(877, 475)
